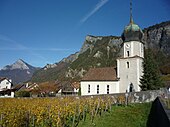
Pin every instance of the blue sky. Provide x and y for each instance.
(45, 31)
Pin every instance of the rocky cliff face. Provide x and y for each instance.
(90, 42)
(158, 37)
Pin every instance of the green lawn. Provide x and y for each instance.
(134, 115)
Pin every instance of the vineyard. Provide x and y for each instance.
(53, 112)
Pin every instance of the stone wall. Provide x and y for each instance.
(136, 97)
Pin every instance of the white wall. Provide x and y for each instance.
(113, 87)
(135, 70)
(76, 90)
(5, 84)
(131, 74)
(135, 48)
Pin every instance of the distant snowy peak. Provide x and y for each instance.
(19, 71)
(19, 64)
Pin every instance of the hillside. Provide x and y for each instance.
(102, 51)
(96, 51)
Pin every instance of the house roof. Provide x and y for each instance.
(19, 87)
(100, 74)
(75, 85)
(2, 78)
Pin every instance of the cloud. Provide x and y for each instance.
(13, 43)
(17, 46)
(33, 49)
(100, 4)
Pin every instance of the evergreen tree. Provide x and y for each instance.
(151, 78)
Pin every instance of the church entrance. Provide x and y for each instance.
(131, 87)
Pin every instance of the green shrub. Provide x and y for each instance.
(22, 93)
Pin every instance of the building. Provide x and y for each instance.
(68, 88)
(5, 83)
(100, 81)
(6, 87)
(129, 67)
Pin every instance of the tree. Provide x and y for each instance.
(79, 92)
(151, 78)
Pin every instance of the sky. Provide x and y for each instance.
(46, 31)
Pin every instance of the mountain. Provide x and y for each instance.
(157, 38)
(19, 71)
(102, 51)
(96, 51)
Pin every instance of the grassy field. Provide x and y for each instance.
(134, 115)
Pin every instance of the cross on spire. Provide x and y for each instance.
(131, 17)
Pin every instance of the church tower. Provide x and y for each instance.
(129, 65)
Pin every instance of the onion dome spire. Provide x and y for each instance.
(132, 31)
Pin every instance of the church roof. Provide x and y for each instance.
(132, 32)
(132, 27)
(101, 74)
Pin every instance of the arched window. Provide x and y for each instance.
(128, 54)
(128, 65)
(131, 87)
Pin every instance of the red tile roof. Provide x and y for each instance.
(101, 74)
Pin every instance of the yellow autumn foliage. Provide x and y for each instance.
(49, 112)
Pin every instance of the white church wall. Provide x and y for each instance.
(134, 48)
(113, 87)
(140, 72)
(129, 75)
(137, 49)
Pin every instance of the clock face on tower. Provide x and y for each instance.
(127, 45)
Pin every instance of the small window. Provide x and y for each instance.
(97, 89)
(107, 89)
(128, 54)
(127, 64)
(7, 82)
(88, 88)
(141, 48)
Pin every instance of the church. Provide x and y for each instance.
(124, 78)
